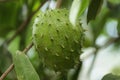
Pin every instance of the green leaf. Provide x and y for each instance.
(14, 45)
(110, 76)
(23, 67)
(93, 9)
(77, 8)
(84, 5)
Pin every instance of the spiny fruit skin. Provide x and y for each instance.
(58, 42)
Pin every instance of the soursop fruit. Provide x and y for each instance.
(58, 42)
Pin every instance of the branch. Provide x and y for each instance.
(20, 29)
(7, 71)
(12, 65)
(59, 2)
(28, 48)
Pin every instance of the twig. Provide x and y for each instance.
(12, 65)
(27, 48)
(59, 2)
(24, 24)
(7, 71)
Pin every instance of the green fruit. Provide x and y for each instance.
(58, 42)
(23, 67)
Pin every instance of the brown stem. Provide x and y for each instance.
(27, 48)
(7, 71)
(12, 65)
(59, 2)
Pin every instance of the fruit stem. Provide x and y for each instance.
(59, 2)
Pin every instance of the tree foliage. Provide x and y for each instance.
(17, 18)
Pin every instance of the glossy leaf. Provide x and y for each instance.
(23, 67)
(94, 9)
(111, 77)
